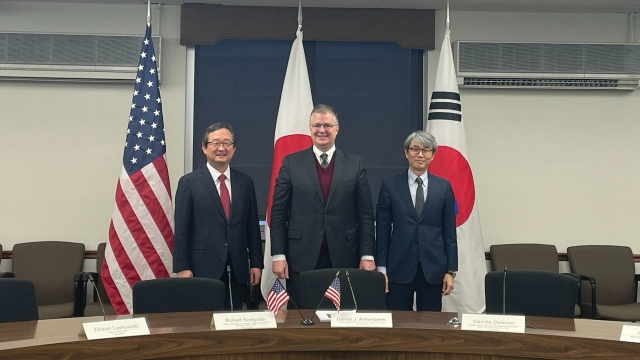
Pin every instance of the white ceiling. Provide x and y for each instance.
(575, 6)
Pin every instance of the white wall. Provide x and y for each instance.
(556, 167)
(550, 166)
(61, 144)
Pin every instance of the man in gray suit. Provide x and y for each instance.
(417, 246)
(322, 213)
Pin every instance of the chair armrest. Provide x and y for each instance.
(592, 282)
(80, 279)
(637, 280)
(7, 275)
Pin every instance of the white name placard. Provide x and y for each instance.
(115, 328)
(325, 315)
(497, 323)
(362, 320)
(630, 333)
(244, 320)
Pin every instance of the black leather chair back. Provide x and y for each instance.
(17, 300)
(178, 295)
(531, 292)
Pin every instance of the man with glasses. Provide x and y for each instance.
(322, 214)
(217, 233)
(417, 247)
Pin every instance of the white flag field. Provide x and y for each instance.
(445, 122)
(291, 135)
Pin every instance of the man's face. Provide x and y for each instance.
(324, 130)
(418, 160)
(220, 148)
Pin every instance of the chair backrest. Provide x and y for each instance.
(178, 295)
(51, 265)
(531, 292)
(17, 300)
(99, 259)
(524, 257)
(613, 267)
(368, 288)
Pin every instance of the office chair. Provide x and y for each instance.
(17, 300)
(178, 295)
(613, 268)
(368, 288)
(531, 292)
(541, 257)
(51, 266)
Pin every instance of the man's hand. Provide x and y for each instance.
(280, 269)
(367, 265)
(185, 273)
(386, 283)
(254, 276)
(447, 284)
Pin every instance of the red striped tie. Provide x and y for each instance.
(224, 196)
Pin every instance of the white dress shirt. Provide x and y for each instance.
(215, 174)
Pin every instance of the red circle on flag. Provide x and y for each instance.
(451, 165)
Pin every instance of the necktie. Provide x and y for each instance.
(419, 196)
(324, 163)
(224, 196)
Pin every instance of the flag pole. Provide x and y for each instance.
(300, 14)
(149, 12)
(448, 21)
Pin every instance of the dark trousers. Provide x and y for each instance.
(237, 290)
(324, 262)
(428, 296)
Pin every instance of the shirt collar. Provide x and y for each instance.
(319, 152)
(216, 174)
(413, 177)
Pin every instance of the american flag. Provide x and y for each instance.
(141, 232)
(277, 297)
(333, 292)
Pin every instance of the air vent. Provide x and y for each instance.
(71, 57)
(547, 65)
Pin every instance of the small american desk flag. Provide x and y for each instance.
(141, 232)
(277, 297)
(333, 292)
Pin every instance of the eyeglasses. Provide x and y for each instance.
(416, 151)
(216, 144)
(325, 126)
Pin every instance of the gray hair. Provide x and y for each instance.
(423, 138)
(215, 127)
(325, 109)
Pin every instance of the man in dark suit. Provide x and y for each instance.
(416, 231)
(217, 232)
(322, 214)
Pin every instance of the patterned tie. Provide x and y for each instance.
(324, 163)
(224, 196)
(419, 196)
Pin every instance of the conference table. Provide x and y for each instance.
(415, 335)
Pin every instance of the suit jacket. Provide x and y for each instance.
(403, 238)
(202, 233)
(300, 218)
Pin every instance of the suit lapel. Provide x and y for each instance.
(338, 169)
(210, 186)
(402, 186)
(310, 165)
(236, 193)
